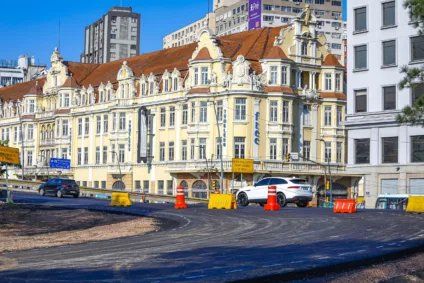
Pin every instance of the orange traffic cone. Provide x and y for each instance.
(272, 199)
(180, 203)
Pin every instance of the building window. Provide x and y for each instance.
(336, 3)
(389, 53)
(202, 148)
(32, 105)
(166, 83)
(417, 149)
(87, 126)
(160, 187)
(105, 155)
(360, 101)
(205, 75)
(327, 115)
(145, 187)
(273, 111)
(360, 19)
(184, 150)
(171, 151)
(162, 151)
(29, 158)
(307, 115)
(171, 116)
(417, 92)
(389, 10)
(361, 57)
(113, 153)
(389, 97)
(86, 155)
(390, 150)
(327, 81)
(97, 154)
(31, 130)
(304, 48)
(134, 29)
(273, 148)
(122, 120)
(240, 110)
(286, 109)
(196, 76)
(417, 52)
(339, 152)
(185, 114)
(218, 147)
(170, 190)
(175, 84)
(193, 112)
(219, 110)
(339, 115)
(362, 151)
(338, 82)
(285, 147)
(114, 122)
(121, 153)
(203, 112)
(65, 129)
(239, 147)
(192, 146)
(327, 151)
(65, 101)
(79, 156)
(98, 124)
(273, 78)
(306, 150)
(162, 117)
(151, 87)
(105, 123)
(284, 75)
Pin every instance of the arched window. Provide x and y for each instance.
(118, 185)
(108, 95)
(304, 48)
(175, 84)
(185, 185)
(199, 189)
(83, 99)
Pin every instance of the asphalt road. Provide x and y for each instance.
(217, 245)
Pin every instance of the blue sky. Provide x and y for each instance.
(31, 27)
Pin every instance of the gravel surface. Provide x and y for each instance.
(24, 227)
(405, 270)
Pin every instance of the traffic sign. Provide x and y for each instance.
(294, 155)
(9, 155)
(242, 165)
(59, 163)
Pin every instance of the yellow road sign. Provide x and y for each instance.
(242, 165)
(9, 155)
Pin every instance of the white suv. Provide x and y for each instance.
(289, 190)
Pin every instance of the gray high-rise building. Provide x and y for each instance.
(114, 36)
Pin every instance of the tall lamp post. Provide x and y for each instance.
(22, 139)
(202, 147)
(220, 149)
(329, 173)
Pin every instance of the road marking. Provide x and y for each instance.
(272, 265)
(198, 276)
(403, 241)
(299, 261)
(392, 244)
(379, 247)
(324, 257)
(232, 271)
(349, 253)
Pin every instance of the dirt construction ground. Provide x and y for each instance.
(25, 227)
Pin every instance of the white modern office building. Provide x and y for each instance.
(381, 39)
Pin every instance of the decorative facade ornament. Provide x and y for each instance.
(307, 14)
(315, 106)
(256, 81)
(241, 69)
(228, 78)
(214, 78)
(310, 94)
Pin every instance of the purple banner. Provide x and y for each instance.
(255, 14)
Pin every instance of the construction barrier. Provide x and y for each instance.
(120, 199)
(272, 199)
(222, 201)
(415, 204)
(180, 203)
(345, 206)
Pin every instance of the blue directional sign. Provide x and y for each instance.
(59, 163)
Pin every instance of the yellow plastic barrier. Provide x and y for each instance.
(225, 201)
(415, 204)
(120, 199)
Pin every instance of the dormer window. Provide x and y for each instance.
(327, 81)
(338, 82)
(31, 106)
(205, 75)
(166, 85)
(175, 84)
(151, 87)
(66, 100)
(304, 49)
(196, 76)
(273, 74)
(143, 88)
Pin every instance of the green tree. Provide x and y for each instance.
(414, 77)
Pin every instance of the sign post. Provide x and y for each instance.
(9, 155)
(59, 163)
(241, 166)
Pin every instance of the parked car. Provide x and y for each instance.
(59, 187)
(289, 190)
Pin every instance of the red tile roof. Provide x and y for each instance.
(62, 111)
(71, 82)
(18, 91)
(331, 60)
(276, 53)
(201, 90)
(203, 54)
(333, 95)
(285, 89)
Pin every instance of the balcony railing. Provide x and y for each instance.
(48, 142)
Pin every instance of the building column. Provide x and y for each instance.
(177, 143)
(314, 142)
(313, 86)
(289, 76)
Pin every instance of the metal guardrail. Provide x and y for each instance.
(32, 186)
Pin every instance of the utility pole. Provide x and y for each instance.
(220, 150)
(329, 173)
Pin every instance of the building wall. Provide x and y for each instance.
(377, 123)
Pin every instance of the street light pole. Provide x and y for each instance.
(329, 173)
(220, 150)
(119, 165)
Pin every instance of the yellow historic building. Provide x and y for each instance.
(152, 121)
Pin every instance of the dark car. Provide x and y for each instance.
(60, 187)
